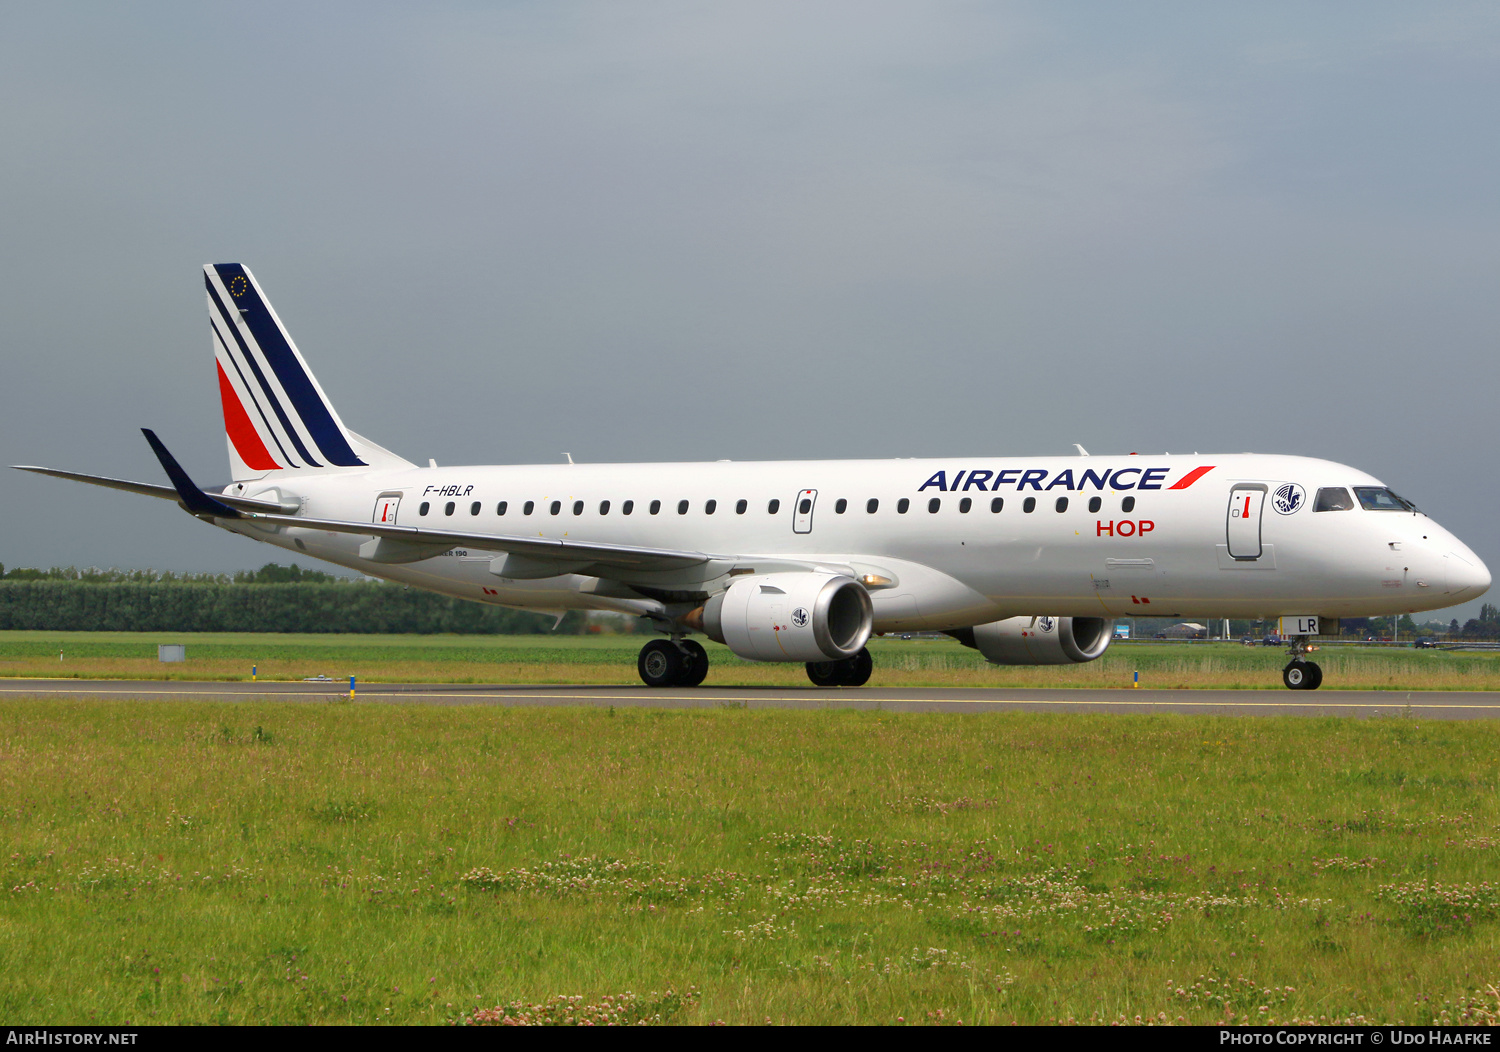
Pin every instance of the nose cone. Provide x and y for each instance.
(1468, 577)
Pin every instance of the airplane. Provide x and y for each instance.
(1029, 561)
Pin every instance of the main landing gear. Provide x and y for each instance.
(672, 663)
(1300, 674)
(684, 663)
(850, 672)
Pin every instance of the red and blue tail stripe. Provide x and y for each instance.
(276, 415)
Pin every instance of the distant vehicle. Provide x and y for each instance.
(1426, 643)
(1271, 641)
(1029, 561)
(1247, 641)
(1122, 631)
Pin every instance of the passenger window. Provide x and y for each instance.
(902, 505)
(872, 506)
(474, 508)
(964, 505)
(529, 507)
(840, 506)
(604, 507)
(740, 506)
(578, 507)
(1029, 505)
(1128, 504)
(500, 508)
(1334, 498)
(1095, 504)
(1062, 503)
(682, 507)
(996, 504)
(448, 508)
(655, 506)
(627, 507)
(711, 507)
(933, 505)
(773, 507)
(424, 509)
(804, 507)
(556, 507)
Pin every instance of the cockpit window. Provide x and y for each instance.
(1334, 498)
(1373, 498)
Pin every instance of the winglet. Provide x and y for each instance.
(193, 498)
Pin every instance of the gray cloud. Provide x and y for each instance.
(755, 231)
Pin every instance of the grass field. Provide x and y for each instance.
(345, 863)
(611, 659)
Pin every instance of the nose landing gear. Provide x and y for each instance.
(1300, 674)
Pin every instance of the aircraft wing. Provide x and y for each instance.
(147, 489)
(527, 557)
(598, 557)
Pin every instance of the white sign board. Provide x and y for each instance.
(1299, 626)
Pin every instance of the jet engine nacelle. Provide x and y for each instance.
(1039, 640)
(791, 617)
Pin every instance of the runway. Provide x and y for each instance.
(1442, 705)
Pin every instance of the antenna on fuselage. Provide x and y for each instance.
(1081, 451)
(569, 456)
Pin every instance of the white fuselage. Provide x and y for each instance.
(1172, 553)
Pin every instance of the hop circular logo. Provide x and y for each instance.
(1288, 498)
(799, 617)
(1046, 624)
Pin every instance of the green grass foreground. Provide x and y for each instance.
(267, 863)
(611, 660)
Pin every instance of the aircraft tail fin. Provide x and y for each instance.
(276, 416)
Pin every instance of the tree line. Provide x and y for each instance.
(271, 573)
(272, 599)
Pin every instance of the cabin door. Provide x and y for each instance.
(1245, 504)
(386, 506)
(802, 511)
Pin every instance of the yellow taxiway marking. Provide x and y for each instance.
(1135, 699)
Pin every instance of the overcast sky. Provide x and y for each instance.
(754, 231)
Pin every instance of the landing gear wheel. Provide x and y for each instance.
(661, 663)
(858, 669)
(694, 663)
(849, 672)
(825, 673)
(1301, 675)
